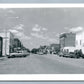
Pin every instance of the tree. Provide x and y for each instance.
(34, 51)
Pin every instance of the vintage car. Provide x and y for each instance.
(12, 55)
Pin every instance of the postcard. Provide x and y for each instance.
(37, 41)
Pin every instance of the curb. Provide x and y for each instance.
(3, 58)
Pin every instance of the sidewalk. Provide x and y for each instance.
(3, 58)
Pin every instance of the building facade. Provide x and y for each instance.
(80, 41)
(18, 45)
(54, 48)
(8, 42)
(67, 41)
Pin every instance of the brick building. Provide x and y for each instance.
(67, 41)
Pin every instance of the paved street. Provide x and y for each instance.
(41, 64)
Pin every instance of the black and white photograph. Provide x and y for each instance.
(42, 40)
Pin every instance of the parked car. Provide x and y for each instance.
(69, 55)
(78, 54)
(12, 55)
(61, 54)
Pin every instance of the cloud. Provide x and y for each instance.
(19, 34)
(52, 40)
(76, 29)
(57, 35)
(22, 36)
(13, 31)
(18, 31)
(46, 39)
(36, 28)
(19, 27)
(37, 35)
(44, 29)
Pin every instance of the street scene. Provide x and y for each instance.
(41, 40)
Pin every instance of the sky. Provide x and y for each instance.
(41, 82)
(41, 26)
(41, 1)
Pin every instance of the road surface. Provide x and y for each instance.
(42, 64)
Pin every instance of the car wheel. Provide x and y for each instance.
(8, 57)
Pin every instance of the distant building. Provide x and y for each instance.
(17, 45)
(67, 41)
(49, 49)
(17, 42)
(54, 48)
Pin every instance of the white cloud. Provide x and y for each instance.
(36, 28)
(44, 29)
(17, 17)
(76, 29)
(57, 35)
(13, 31)
(22, 36)
(25, 38)
(19, 27)
(37, 35)
(46, 39)
(19, 34)
(52, 40)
